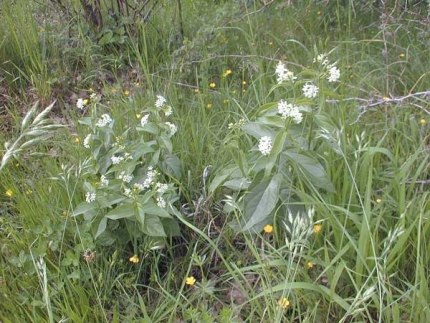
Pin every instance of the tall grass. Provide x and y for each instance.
(369, 262)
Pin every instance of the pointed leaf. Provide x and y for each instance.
(120, 212)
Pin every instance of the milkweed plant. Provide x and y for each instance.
(129, 190)
(264, 184)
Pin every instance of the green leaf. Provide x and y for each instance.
(171, 165)
(278, 147)
(122, 211)
(221, 177)
(85, 207)
(312, 169)
(28, 116)
(151, 208)
(260, 202)
(153, 226)
(258, 130)
(106, 39)
(102, 227)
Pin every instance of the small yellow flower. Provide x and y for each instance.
(283, 303)
(212, 85)
(138, 115)
(126, 92)
(226, 73)
(64, 213)
(378, 201)
(134, 259)
(113, 90)
(17, 165)
(86, 101)
(317, 228)
(9, 193)
(310, 265)
(423, 121)
(385, 98)
(137, 84)
(209, 105)
(402, 55)
(319, 13)
(77, 140)
(190, 281)
(268, 228)
(28, 192)
(196, 90)
(244, 82)
(351, 76)
(270, 43)
(226, 101)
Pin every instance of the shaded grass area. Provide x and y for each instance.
(368, 262)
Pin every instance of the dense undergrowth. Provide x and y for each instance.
(156, 170)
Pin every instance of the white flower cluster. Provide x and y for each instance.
(87, 141)
(104, 120)
(161, 188)
(80, 104)
(161, 202)
(265, 145)
(284, 74)
(126, 178)
(144, 120)
(288, 110)
(116, 159)
(310, 90)
(333, 71)
(151, 175)
(90, 197)
(104, 181)
(160, 101)
(238, 124)
(172, 128)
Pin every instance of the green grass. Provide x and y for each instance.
(369, 263)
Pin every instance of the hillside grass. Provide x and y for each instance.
(367, 259)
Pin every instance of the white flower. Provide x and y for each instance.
(127, 178)
(310, 90)
(151, 175)
(104, 120)
(334, 74)
(87, 141)
(80, 104)
(172, 128)
(320, 58)
(284, 74)
(144, 120)
(116, 159)
(168, 111)
(265, 145)
(138, 187)
(161, 188)
(161, 202)
(90, 197)
(127, 192)
(160, 101)
(93, 96)
(104, 181)
(127, 156)
(288, 110)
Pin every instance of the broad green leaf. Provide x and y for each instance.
(312, 169)
(260, 202)
(165, 142)
(278, 147)
(258, 130)
(171, 165)
(151, 208)
(85, 207)
(237, 184)
(153, 226)
(106, 39)
(120, 212)
(102, 227)
(221, 177)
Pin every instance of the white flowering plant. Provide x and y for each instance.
(265, 179)
(130, 174)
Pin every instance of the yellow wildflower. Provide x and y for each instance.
(268, 228)
(28, 192)
(212, 85)
(9, 193)
(138, 115)
(402, 55)
(190, 281)
(134, 259)
(126, 92)
(209, 105)
(310, 265)
(283, 303)
(317, 228)
(385, 98)
(378, 201)
(226, 73)
(86, 101)
(244, 82)
(423, 121)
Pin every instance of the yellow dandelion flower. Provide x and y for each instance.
(9, 193)
(28, 192)
(86, 101)
(126, 92)
(268, 228)
(310, 265)
(134, 259)
(17, 165)
(283, 303)
(196, 90)
(317, 228)
(319, 13)
(137, 84)
(190, 281)
(385, 98)
(423, 121)
(226, 73)
(402, 55)
(212, 85)
(244, 82)
(378, 201)
(77, 140)
(64, 213)
(270, 43)
(209, 105)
